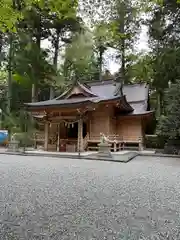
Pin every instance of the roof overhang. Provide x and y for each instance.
(145, 114)
(124, 105)
(68, 104)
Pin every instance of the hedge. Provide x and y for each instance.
(154, 141)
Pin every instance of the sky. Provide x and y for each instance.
(111, 64)
(142, 46)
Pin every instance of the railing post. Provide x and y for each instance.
(58, 137)
(35, 140)
(46, 137)
(141, 147)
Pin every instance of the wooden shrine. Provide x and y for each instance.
(74, 120)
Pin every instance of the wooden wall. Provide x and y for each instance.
(53, 130)
(101, 121)
(130, 128)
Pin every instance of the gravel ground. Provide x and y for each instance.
(49, 198)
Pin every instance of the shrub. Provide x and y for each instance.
(155, 141)
(24, 139)
(169, 124)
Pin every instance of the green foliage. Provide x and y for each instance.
(140, 68)
(17, 121)
(79, 58)
(166, 68)
(20, 126)
(11, 11)
(77, 53)
(164, 43)
(154, 141)
(169, 124)
(31, 66)
(125, 27)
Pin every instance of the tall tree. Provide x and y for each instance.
(169, 124)
(80, 62)
(125, 26)
(62, 31)
(164, 41)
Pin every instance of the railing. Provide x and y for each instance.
(117, 138)
(111, 138)
(120, 142)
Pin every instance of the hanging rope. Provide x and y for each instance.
(67, 123)
(70, 123)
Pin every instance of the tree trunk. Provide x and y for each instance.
(1, 42)
(123, 63)
(34, 97)
(158, 106)
(9, 80)
(161, 103)
(55, 59)
(122, 48)
(100, 64)
(38, 43)
(160, 109)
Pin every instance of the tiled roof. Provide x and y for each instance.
(82, 86)
(70, 102)
(135, 94)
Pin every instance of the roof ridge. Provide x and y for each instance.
(83, 86)
(139, 101)
(106, 82)
(134, 84)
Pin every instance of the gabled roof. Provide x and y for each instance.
(70, 102)
(83, 89)
(133, 92)
(135, 96)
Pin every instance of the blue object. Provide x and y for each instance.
(3, 136)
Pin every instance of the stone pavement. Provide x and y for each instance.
(121, 156)
(44, 198)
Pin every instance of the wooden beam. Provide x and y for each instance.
(63, 118)
(58, 139)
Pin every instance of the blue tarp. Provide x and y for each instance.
(3, 136)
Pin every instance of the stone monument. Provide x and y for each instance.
(104, 147)
(13, 145)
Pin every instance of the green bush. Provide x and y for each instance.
(169, 123)
(155, 142)
(24, 139)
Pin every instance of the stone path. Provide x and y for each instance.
(50, 198)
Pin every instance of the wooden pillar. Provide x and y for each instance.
(142, 133)
(58, 136)
(80, 146)
(46, 136)
(115, 144)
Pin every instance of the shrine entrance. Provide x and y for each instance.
(73, 138)
(72, 131)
